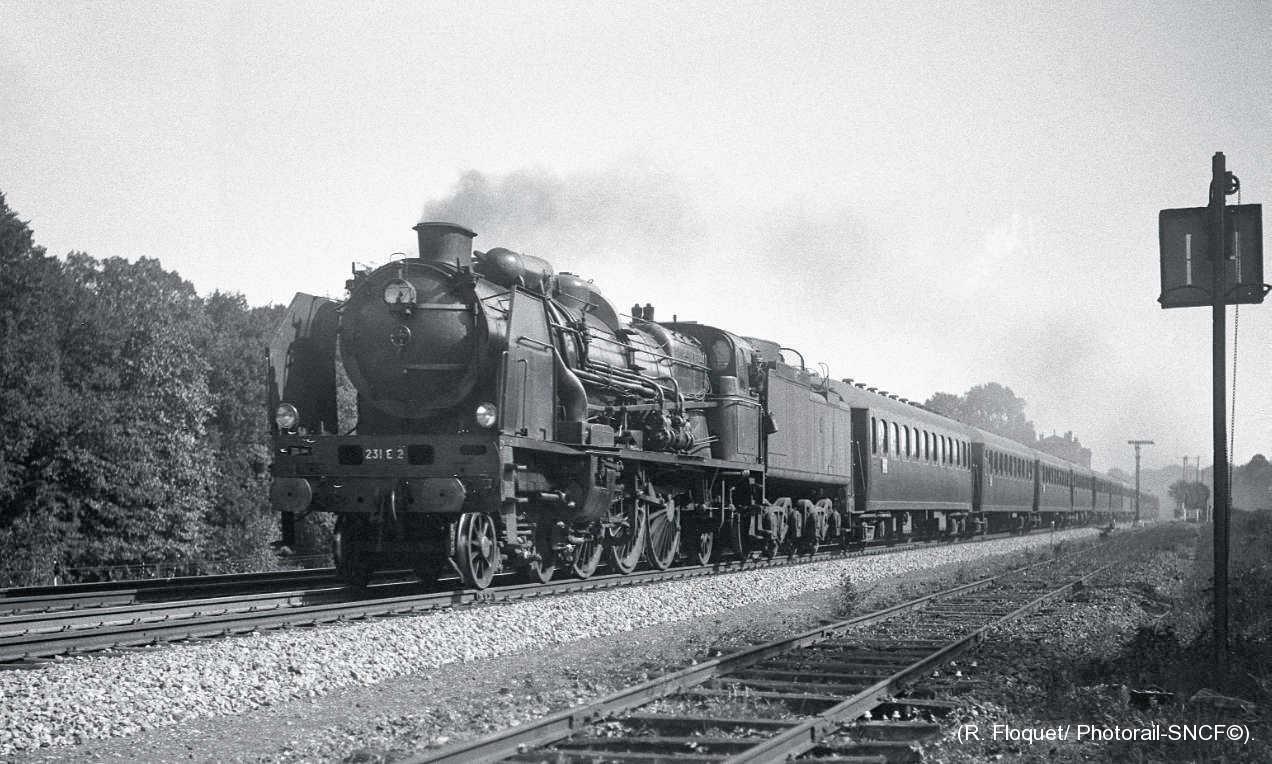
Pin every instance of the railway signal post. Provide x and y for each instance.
(1213, 255)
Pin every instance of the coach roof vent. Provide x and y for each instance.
(445, 243)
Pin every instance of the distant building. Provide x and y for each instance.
(1066, 447)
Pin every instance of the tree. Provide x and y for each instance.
(35, 523)
(991, 407)
(1191, 494)
(132, 415)
(239, 517)
(1252, 484)
(137, 465)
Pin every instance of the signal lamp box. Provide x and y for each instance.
(1186, 248)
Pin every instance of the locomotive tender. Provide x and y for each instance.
(507, 417)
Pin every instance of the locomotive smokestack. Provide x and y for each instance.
(445, 243)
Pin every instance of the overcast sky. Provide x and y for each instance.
(925, 196)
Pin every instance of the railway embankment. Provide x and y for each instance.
(1125, 673)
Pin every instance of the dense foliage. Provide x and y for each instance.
(132, 416)
(1190, 494)
(991, 407)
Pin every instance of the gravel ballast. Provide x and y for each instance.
(97, 697)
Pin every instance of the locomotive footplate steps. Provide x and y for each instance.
(783, 699)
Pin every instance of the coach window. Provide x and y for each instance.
(884, 429)
(874, 435)
(896, 439)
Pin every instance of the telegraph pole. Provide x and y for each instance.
(1221, 183)
(1138, 444)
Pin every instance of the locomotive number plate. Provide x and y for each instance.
(384, 454)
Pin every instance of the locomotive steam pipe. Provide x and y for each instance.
(573, 395)
(606, 370)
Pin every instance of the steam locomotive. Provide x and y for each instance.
(479, 410)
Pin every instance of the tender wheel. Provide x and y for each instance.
(793, 533)
(540, 571)
(814, 535)
(350, 549)
(663, 539)
(587, 555)
(774, 523)
(476, 549)
(835, 533)
(627, 537)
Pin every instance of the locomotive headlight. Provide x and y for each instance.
(399, 291)
(487, 415)
(286, 416)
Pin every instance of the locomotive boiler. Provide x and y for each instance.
(480, 411)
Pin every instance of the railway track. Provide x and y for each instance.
(836, 693)
(120, 619)
(31, 599)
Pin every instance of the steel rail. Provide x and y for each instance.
(140, 584)
(36, 643)
(35, 599)
(146, 626)
(795, 736)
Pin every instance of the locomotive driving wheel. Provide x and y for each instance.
(476, 549)
(662, 540)
(351, 550)
(587, 554)
(627, 535)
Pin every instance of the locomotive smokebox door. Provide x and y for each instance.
(1185, 237)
